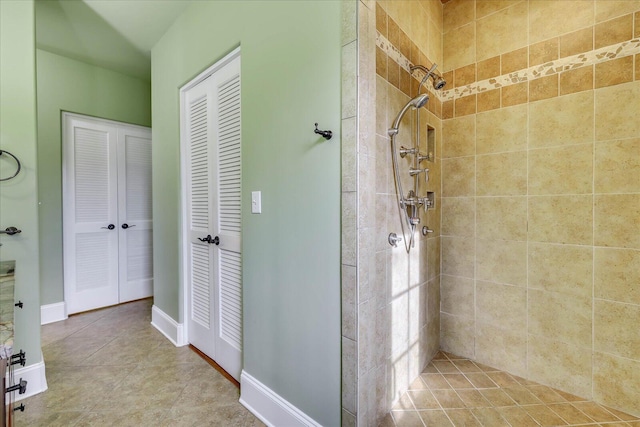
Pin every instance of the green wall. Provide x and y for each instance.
(291, 252)
(18, 197)
(68, 85)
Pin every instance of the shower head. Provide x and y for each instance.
(438, 81)
(417, 102)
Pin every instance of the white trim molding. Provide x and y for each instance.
(35, 377)
(50, 313)
(269, 407)
(171, 329)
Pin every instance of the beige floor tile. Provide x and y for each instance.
(435, 418)
(407, 419)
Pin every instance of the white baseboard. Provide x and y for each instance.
(35, 377)
(269, 407)
(50, 313)
(171, 329)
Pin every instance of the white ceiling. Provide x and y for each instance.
(115, 34)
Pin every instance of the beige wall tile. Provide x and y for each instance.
(544, 51)
(503, 174)
(617, 166)
(433, 258)
(465, 105)
(501, 32)
(458, 177)
(561, 170)
(502, 306)
(485, 7)
(543, 88)
(458, 136)
(488, 100)
(554, 316)
(614, 72)
(464, 75)
(460, 213)
(515, 94)
(614, 31)
(457, 296)
(607, 9)
(552, 18)
(502, 130)
(488, 68)
(393, 73)
(501, 218)
(563, 120)
(636, 24)
(458, 255)
(561, 219)
(460, 51)
(617, 275)
(383, 122)
(613, 122)
(381, 20)
(434, 49)
(616, 328)
(501, 348)
(457, 13)
(381, 63)
(560, 365)
(616, 382)
(457, 334)
(515, 60)
(637, 61)
(577, 80)
(566, 269)
(577, 42)
(617, 220)
(447, 110)
(502, 261)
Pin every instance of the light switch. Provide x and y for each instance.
(256, 202)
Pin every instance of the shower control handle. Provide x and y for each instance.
(394, 239)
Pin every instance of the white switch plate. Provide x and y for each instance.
(256, 202)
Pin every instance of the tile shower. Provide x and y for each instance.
(534, 263)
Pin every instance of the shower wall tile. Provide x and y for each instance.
(616, 221)
(561, 170)
(465, 106)
(565, 269)
(486, 7)
(433, 256)
(457, 295)
(502, 261)
(543, 88)
(460, 177)
(561, 121)
(489, 100)
(465, 75)
(502, 306)
(607, 9)
(613, 31)
(616, 381)
(501, 130)
(614, 72)
(616, 328)
(349, 316)
(560, 365)
(553, 18)
(349, 228)
(457, 335)
(457, 13)
(502, 218)
(576, 42)
(613, 122)
(502, 348)
(349, 81)
(349, 154)
(458, 136)
(515, 60)
(349, 11)
(617, 274)
(461, 216)
(544, 51)
(561, 219)
(502, 174)
(515, 94)
(382, 109)
(570, 322)
(349, 375)
(458, 256)
(501, 32)
(459, 51)
(577, 80)
(488, 68)
(617, 166)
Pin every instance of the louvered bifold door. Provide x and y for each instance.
(90, 215)
(227, 256)
(134, 214)
(197, 112)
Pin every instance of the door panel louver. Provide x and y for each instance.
(139, 254)
(91, 148)
(231, 298)
(229, 155)
(198, 139)
(200, 289)
(138, 173)
(92, 269)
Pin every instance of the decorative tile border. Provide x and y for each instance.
(607, 53)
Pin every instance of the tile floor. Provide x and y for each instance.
(110, 367)
(454, 391)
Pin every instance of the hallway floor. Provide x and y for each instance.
(453, 391)
(110, 367)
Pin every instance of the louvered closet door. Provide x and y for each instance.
(90, 207)
(134, 214)
(212, 136)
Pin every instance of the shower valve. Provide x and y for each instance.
(413, 172)
(404, 151)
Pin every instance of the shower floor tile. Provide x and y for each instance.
(454, 391)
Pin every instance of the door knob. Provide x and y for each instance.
(110, 227)
(125, 226)
(210, 240)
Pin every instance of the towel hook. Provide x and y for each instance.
(326, 134)
(17, 161)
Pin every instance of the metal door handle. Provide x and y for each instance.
(125, 226)
(210, 240)
(10, 231)
(109, 227)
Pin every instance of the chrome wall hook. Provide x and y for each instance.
(326, 134)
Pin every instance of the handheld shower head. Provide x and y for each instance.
(417, 102)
